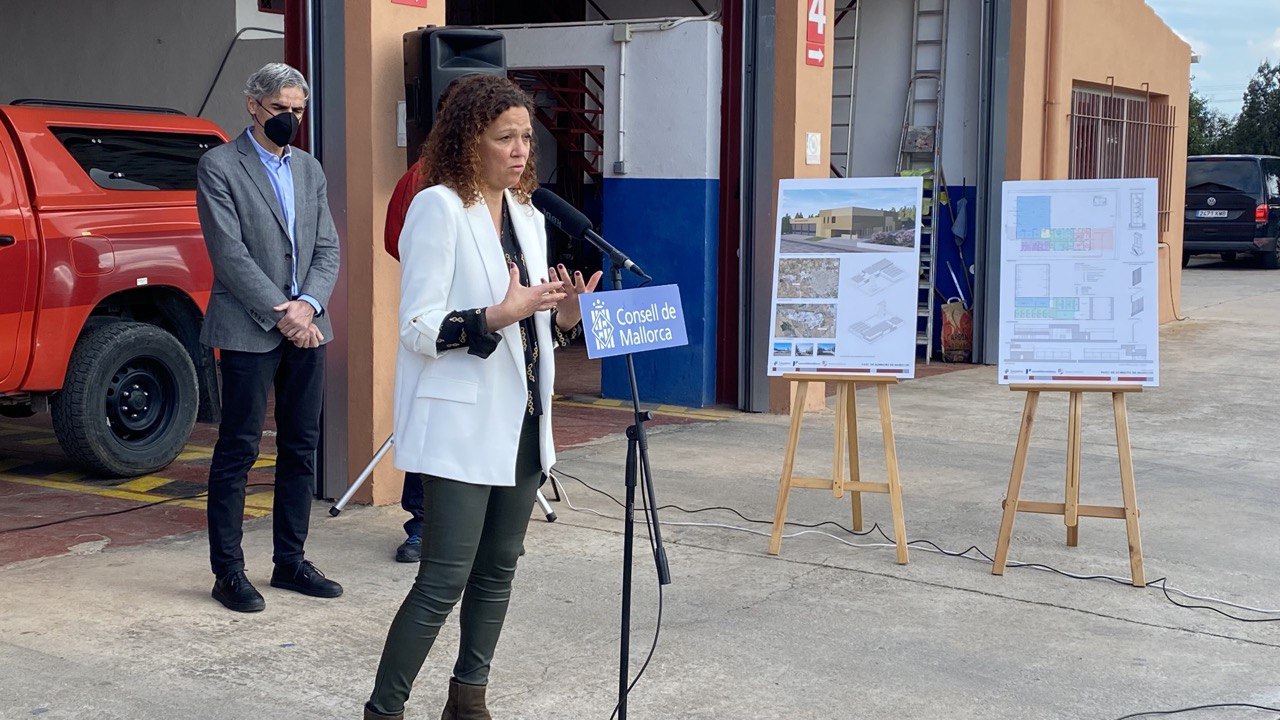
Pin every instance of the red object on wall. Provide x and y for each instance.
(816, 34)
(727, 286)
(411, 3)
(815, 54)
(295, 53)
(272, 6)
(817, 22)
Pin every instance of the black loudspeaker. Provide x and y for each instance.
(435, 57)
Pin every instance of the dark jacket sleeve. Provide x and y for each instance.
(564, 338)
(467, 329)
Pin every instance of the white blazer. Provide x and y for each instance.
(458, 416)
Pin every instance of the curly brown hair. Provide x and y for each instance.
(451, 156)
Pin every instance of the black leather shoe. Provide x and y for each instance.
(410, 551)
(235, 592)
(306, 579)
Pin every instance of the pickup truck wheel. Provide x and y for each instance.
(129, 400)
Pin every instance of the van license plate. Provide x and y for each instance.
(1211, 213)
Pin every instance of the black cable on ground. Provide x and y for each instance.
(1161, 583)
(1154, 713)
(51, 523)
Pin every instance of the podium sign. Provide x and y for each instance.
(618, 322)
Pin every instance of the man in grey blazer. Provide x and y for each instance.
(266, 221)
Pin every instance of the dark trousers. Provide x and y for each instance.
(470, 545)
(247, 378)
(411, 501)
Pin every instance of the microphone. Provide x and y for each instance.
(576, 225)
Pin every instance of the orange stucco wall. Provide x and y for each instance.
(802, 104)
(1057, 45)
(375, 82)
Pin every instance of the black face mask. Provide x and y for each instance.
(280, 129)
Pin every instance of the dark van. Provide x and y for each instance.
(1233, 206)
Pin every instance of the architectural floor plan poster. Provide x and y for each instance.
(845, 276)
(1079, 282)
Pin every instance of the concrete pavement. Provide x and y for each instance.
(823, 631)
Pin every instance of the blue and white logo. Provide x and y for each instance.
(619, 322)
(601, 327)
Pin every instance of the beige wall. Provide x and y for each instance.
(802, 104)
(1059, 44)
(374, 80)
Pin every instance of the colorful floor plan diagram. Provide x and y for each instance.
(1075, 304)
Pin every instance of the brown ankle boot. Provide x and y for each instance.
(370, 714)
(466, 702)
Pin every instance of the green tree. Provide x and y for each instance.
(1210, 131)
(1257, 129)
(786, 224)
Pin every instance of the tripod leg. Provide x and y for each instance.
(337, 508)
(555, 486)
(546, 507)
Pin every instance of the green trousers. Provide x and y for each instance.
(471, 541)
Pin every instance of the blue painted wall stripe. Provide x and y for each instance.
(671, 229)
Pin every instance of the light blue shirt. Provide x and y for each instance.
(280, 173)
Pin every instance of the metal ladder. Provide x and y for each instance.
(844, 60)
(920, 150)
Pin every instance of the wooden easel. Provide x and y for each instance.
(846, 435)
(1071, 510)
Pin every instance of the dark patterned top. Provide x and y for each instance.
(468, 328)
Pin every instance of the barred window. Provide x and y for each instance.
(1122, 135)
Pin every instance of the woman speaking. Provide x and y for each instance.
(473, 381)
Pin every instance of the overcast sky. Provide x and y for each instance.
(1231, 37)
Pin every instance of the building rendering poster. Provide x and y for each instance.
(845, 276)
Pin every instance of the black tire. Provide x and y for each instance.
(1228, 256)
(1271, 260)
(1186, 258)
(129, 400)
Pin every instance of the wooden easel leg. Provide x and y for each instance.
(799, 392)
(895, 484)
(855, 475)
(1127, 487)
(837, 469)
(1071, 516)
(1015, 482)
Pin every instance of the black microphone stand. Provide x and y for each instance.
(637, 473)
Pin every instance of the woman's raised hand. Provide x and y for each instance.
(568, 311)
(522, 301)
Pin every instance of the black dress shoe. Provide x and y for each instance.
(235, 592)
(305, 578)
(410, 551)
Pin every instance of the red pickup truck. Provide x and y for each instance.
(104, 279)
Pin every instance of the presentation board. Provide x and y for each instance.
(845, 276)
(1079, 282)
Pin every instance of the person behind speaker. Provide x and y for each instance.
(409, 551)
(266, 223)
(474, 380)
